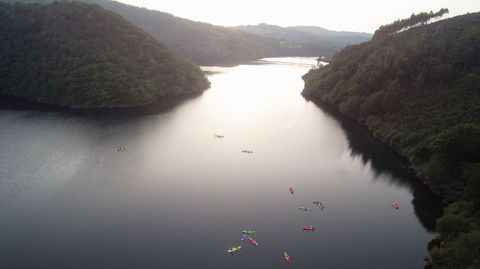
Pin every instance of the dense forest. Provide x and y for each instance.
(416, 87)
(207, 44)
(201, 43)
(80, 55)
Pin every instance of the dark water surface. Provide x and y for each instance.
(178, 197)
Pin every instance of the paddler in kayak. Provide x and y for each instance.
(287, 257)
(291, 190)
(395, 205)
(252, 241)
(309, 228)
(234, 249)
(319, 204)
(248, 232)
(304, 208)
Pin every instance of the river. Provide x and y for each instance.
(178, 197)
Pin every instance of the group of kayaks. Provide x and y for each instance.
(220, 136)
(321, 205)
(248, 233)
(309, 228)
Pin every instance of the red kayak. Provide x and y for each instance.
(252, 241)
(291, 190)
(309, 228)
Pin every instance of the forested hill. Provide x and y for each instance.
(80, 55)
(416, 86)
(201, 43)
(207, 44)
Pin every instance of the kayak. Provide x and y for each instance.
(248, 232)
(291, 190)
(232, 250)
(287, 258)
(304, 208)
(309, 228)
(252, 241)
(395, 205)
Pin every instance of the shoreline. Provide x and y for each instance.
(338, 115)
(344, 118)
(160, 105)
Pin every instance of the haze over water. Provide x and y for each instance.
(178, 197)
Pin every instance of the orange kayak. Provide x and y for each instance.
(287, 258)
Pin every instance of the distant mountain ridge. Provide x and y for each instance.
(207, 44)
(310, 38)
(306, 33)
(345, 37)
(322, 38)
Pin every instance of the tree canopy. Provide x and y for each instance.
(80, 55)
(208, 44)
(417, 89)
(419, 19)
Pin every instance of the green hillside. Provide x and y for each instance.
(416, 87)
(80, 55)
(207, 44)
(201, 43)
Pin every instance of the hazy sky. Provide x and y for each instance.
(351, 15)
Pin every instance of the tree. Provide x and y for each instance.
(414, 20)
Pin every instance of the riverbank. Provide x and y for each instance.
(445, 161)
(176, 175)
(433, 245)
(404, 160)
(160, 106)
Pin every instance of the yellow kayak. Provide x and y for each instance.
(232, 250)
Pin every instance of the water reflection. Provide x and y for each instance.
(180, 192)
(428, 206)
(162, 106)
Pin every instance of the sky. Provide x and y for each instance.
(340, 15)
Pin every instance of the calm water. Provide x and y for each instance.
(178, 197)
